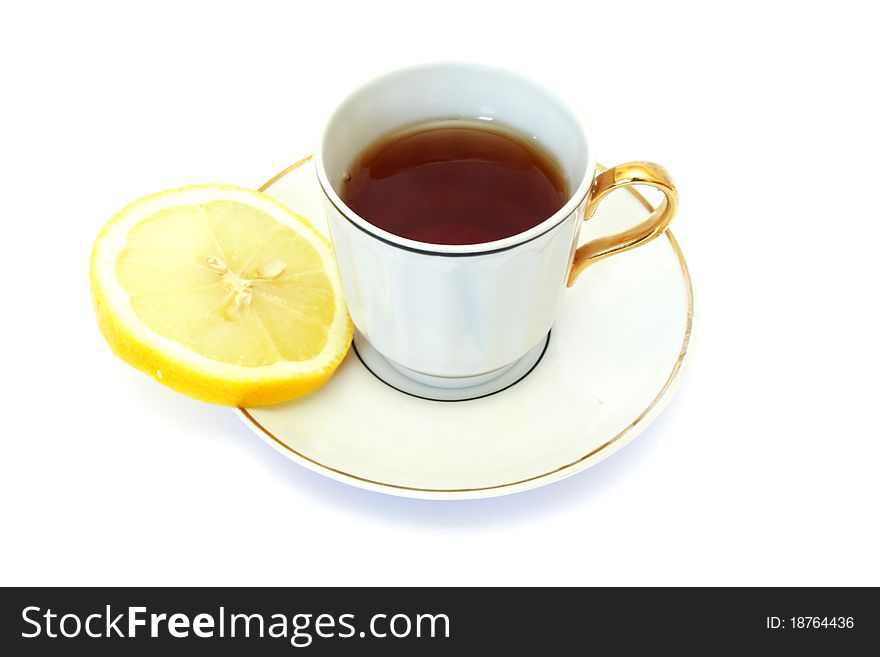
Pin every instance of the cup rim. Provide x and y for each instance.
(428, 248)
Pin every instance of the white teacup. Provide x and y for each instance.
(458, 315)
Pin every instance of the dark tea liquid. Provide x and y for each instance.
(454, 182)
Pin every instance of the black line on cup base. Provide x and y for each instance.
(488, 394)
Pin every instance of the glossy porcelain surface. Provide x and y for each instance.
(616, 352)
(453, 311)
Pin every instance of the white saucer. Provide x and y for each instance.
(614, 356)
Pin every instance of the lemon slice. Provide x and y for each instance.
(221, 293)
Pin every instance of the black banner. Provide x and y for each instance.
(279, 621)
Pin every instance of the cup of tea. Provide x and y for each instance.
(455, 194)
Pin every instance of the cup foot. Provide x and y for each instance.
(438, 388)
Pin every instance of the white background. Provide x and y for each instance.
(763, 469)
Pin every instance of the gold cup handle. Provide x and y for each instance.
(624, 175)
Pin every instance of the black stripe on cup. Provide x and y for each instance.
(444, 255)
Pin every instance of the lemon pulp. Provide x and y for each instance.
(226, 288)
